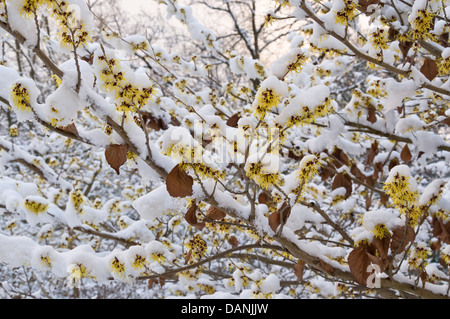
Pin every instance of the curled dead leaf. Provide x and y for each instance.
(429, 69)
(233, 241)
(214, 213)
(116, 156)
(299, 269)
(274, 220)
(360, 262)
(279, 216)
(343, 180)
(382, 246)
(233, 120)
(326, 267)
(179, 183)
(371, 115)
(405, 154)
(401, 237)
(71, 128)
(191, 217)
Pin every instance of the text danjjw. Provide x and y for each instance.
(251, 309)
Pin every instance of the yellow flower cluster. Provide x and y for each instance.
(269, 19)
(72, 32)
(404, 199)
(444, 66)
(77, 271)
(35, 206)
(418, 256)
(13, 131)
(46, 262)
(379, 39)
(266, 100)
(308, 168)
(380, 231)
(197, 248)
(256, 172)
(29, 7)
(308, 115)
(184, 153)
(347, 14)
(20, 97)
(117, 267)
(205, 171)
(422, 24)
(128, 97)
(445, 256)
(376, 89)
(208, 289)
(77, 198)
(298, 64)
(139, 262)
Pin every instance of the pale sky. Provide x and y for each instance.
(135, 6)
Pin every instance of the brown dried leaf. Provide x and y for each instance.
(179, 183)
(188, 256)
(215, 213)
(382, 246)
(356, 172)
(341, 157)
(363, 4)
(71, 128)
(446, 121)
(116, 156)
(378, 169)
(326, 172)
(263, 198)
(153, 122)
(405, 154)
(368, 201)
(372, 153)
(299, 269)
(279, 216)
(359, 261)
(343, 180)
(191, 217)
(401, 237)
(292, 155)
(429, 69)
(233, 241)
(424, 278)
(233, 120)
(274, 220)
(442, 230)
(443, 39)
(394, 162)
(371, 115)
(384, 199)
(327, 267)
(152, 282)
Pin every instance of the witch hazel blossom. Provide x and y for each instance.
(269, 95)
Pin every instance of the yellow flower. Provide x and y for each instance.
(379, 39)
(422, 24)
(13, 131)
(20, 97)
(35, 205)
(266, 100)
(117, 267)
(346, 14)
(139, 262)
(380, 231)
